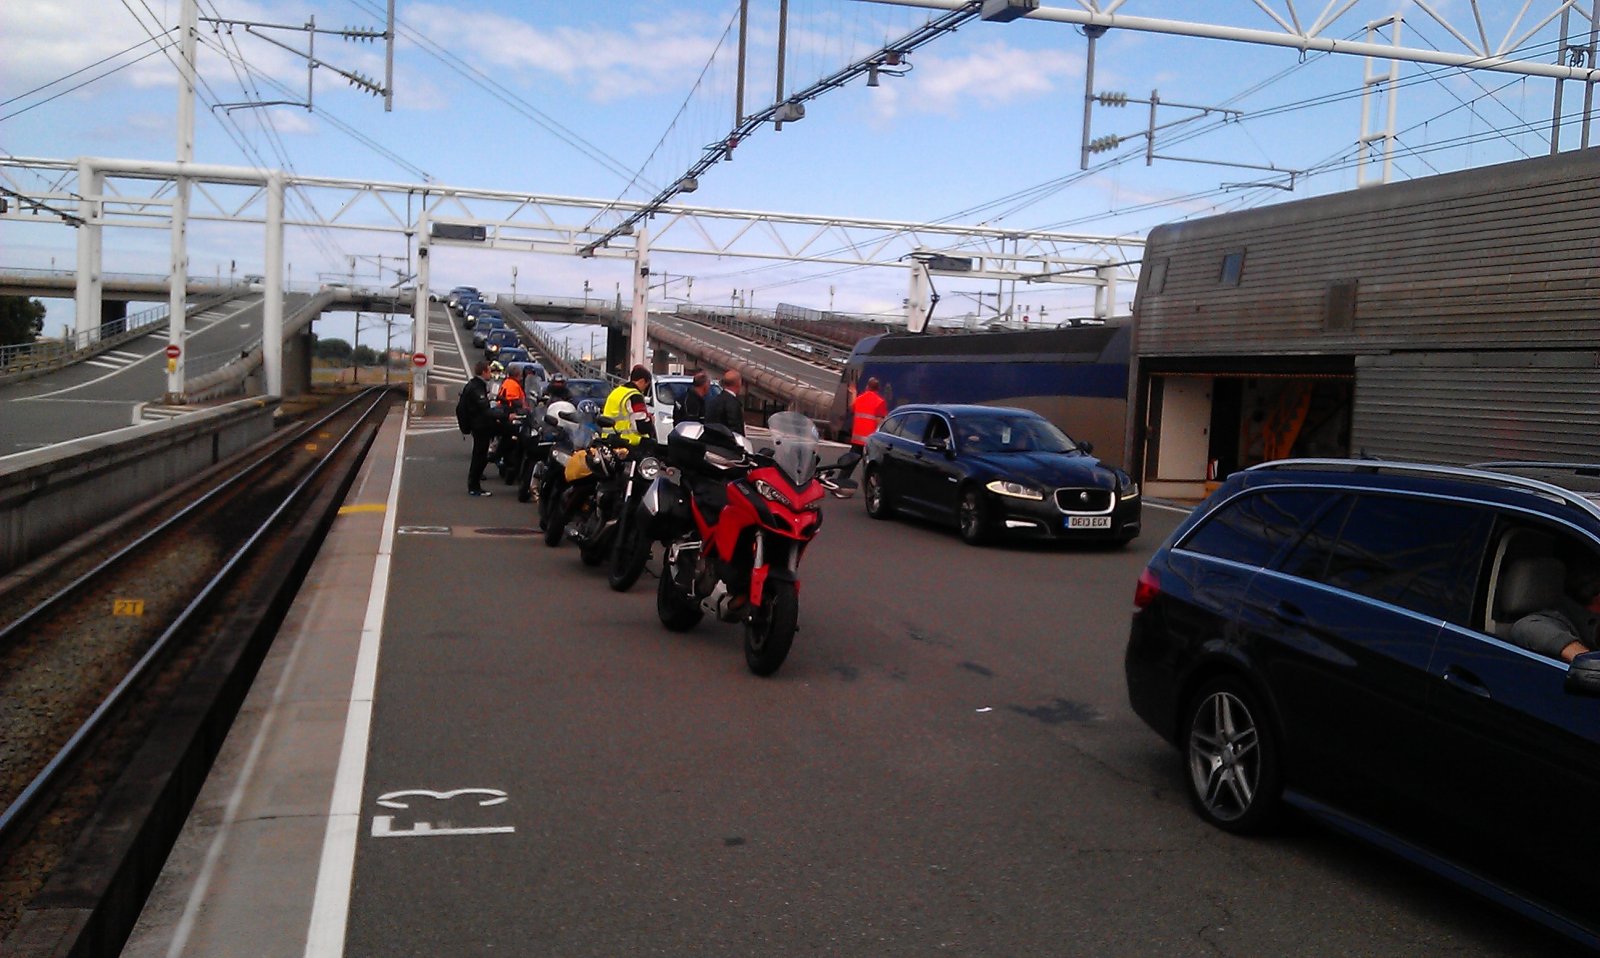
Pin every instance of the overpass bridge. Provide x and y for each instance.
(112, 375)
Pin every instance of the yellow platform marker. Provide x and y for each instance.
(127, 607)
(362, 507)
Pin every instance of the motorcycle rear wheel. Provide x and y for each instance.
(631, 552)
(678, 610)
(769, 635)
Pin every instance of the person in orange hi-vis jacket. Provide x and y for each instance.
(867, 414)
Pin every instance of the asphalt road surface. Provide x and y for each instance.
(946, 765)
(105, 392)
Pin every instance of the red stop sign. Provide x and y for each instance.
(173, 349)
(419, 360)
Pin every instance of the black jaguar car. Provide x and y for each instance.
(995, 470)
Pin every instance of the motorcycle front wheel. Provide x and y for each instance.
(769, 634)
(678, 609)
(630, 553)
(550, 514)
(525, 480)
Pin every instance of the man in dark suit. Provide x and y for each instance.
(727, 407)
(693, 407)
(476, 395)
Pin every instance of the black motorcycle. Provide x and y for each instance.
(513, 444)
(630, 533)
(541, 438)
(594, 512)
(572, 432)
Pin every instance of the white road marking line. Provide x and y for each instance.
(131, 357)
(102, 364)
(1184, 510)
(330, 908)
(187, 333)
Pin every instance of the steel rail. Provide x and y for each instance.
(11, 628)
(24, 801)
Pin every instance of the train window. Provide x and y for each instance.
(1158, 276)
(1232, 268)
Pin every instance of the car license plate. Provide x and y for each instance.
(1088, 522)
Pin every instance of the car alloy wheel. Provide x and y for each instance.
(877, 500)
(1234, 779)
(971, 517)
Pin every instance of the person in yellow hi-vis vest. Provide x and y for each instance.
(626, 404)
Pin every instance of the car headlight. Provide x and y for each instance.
(1130, 491)
(773, 493)
(1016, 490)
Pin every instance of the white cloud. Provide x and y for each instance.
(608, 64)
(993, 74)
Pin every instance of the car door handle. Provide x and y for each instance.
(1457, 677)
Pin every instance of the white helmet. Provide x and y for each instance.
(552, 412)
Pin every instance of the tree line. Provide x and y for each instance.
(21, 320)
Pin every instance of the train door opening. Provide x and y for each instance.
(1200, 428)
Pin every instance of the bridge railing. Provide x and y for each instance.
(49, 353)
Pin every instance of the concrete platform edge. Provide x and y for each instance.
(241, 877)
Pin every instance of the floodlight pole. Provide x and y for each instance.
(272, 303)
(641, 298)
(178, 291)
(1093, 32)
(419, 319)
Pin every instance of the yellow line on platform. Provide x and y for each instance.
(362, 507)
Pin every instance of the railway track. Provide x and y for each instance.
(123, 661)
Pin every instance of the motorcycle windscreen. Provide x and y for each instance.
(794, 446)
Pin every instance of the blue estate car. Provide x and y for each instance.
(995, 470)
(1402, 651)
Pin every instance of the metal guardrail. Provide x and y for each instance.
(817, 349)
(53, 353)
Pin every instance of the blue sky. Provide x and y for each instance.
(984, 128)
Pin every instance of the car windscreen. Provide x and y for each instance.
(982, 434)
(588, 388)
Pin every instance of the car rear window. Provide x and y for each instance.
(1253, 527)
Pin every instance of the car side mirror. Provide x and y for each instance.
(1583, 676)
(1085, 447)
(941, 446)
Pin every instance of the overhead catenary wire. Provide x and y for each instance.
(501, 93)
(157, 40)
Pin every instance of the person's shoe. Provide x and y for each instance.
(478, 492)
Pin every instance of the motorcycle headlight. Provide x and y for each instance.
(649, 467)
(1016, 490)
(773, 493)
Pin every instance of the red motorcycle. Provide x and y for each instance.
(735, 524)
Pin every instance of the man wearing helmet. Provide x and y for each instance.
(557, 390)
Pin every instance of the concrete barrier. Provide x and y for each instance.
(48, 496)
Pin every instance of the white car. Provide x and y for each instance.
(665, 392)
